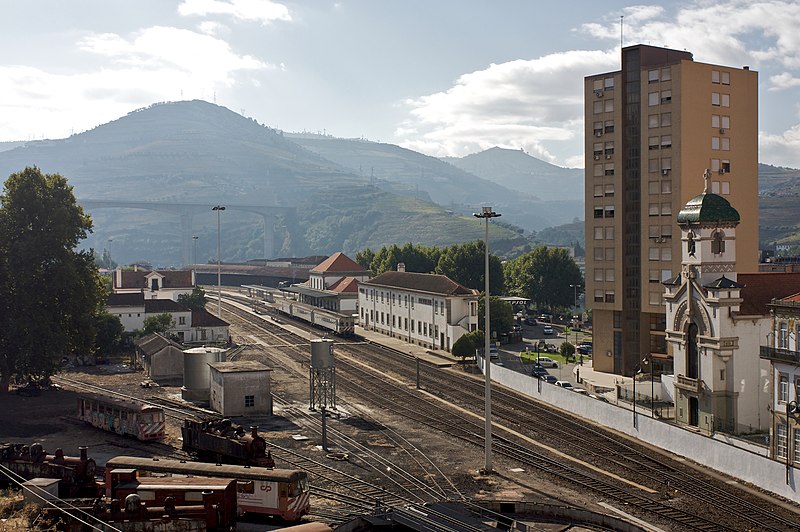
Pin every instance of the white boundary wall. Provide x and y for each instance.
(739, 463)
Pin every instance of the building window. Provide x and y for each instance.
(726, 78)
(617, 319)
(653, 187)
(652, 121)
(609, 296)
(610, 233)
(783, 335)
(726, 143)
(653, 231)
(725, 166)
(598, 170)
(666, 141)
(726, 100)
(597, 150)
(666, 209)
(598, 233)
(783, 388)
(666, 119)
(714, 143)
(666, 74)
(656, 299)
(598, 296)
(652, 209)
(666, 164)
(652, 165)
(599, 253)
(610, 254)
(666, 97)
(610, 275)
(715, 99)
(598, 129)
(609, 169)
(666, 186)
(608, 106)
(609, 211)
(598, 107)
(718, 243)
(652, 143)
(652, 76)
(598, 212)
(653, 276)
(609, 149)
(609, 126)
(653, 253)
(715, 76)
(726, 122)
(666, 231)
(608, 84)
(715, 121)
(796, 453)
(666, 254)
(780, 440)
(609, 191)
(249, 401)
(652, 99)
(598, 274)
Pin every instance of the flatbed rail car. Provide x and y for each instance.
(282, 493)
(334, 322)
(122, 416)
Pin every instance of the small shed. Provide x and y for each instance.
(161, 358)
(241, 388)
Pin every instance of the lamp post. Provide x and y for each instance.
(638, 370)
(195, 237)
(486, 213)
(791, 408)
(648, 361)
(219, 209)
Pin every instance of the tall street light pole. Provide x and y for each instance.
(219, 209)
(195, 237)
(486, 213)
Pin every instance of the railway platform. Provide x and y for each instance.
(436, 357)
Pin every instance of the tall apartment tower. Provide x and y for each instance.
(652, 130)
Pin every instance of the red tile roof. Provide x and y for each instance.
(340, 263)
(761, 288)
(203, 318)
(345, 285)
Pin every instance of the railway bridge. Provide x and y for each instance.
(186, 213)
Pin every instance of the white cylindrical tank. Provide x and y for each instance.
(197, 374)
(322, 353)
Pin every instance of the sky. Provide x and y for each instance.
(442, 77)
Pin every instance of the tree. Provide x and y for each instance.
(109, 334)
(50, 293)
(364, 258)
(468, 343)
(466, 264)
(160, 323)
(501, 316)
(544, 276)
(567, 350)
(194, 301)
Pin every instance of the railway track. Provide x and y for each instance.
(718, 506)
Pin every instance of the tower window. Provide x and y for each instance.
(718, 243)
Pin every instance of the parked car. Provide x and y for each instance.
(547, 329)
(599, 398)
(580, 391)
(547, 362)
(585, 350)
(539, 371)
(530, 321)
(564, 384)
(551, 379)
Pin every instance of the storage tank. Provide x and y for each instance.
(322, 353)
(197, 374)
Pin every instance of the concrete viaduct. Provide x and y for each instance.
(186, 213)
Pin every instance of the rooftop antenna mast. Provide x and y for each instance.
(620, 30)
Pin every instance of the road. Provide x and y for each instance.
(531, 335)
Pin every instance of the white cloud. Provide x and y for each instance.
(780, 149)
(156, 64)
(209, 27)
(536, 105)
(784, 80)
(263, 11)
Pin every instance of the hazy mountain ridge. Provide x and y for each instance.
(199, 153)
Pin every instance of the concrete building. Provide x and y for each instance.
(651, 129)
(714, 326)
(164, 284)
(240, 388)
(783, 353)
(332, 284)
(424, 309)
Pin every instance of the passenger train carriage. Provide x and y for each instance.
(122, 416)
(279, 492)
(329, 320)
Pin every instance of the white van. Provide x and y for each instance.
(547, 362)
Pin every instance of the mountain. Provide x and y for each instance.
(410, 173)
(516, 170)
(198, 154)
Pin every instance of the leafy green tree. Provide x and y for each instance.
(501, 316)
(364, 258)
(196, 300)
(420, 259)
(544, 276)
(466, 264)
(567, 350)
(109, 334)
(104, 260)
(160, 323)
(468, 343)
(51, 293)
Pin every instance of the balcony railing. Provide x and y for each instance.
(688, 384)
(777, 353)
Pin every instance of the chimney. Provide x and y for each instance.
(401, 266)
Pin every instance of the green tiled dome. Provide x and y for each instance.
(708, 208)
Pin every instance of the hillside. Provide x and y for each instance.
(410, 173)
(199, 153)
(516, 170)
